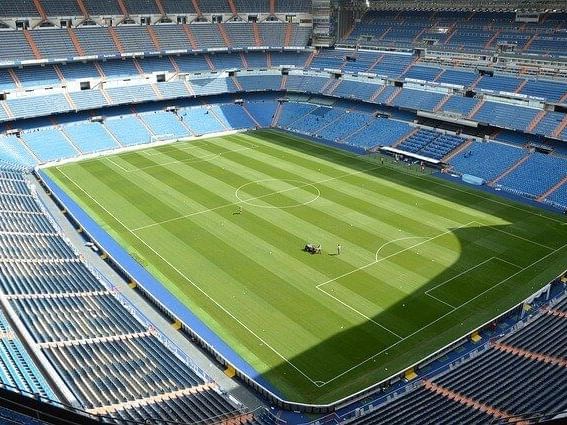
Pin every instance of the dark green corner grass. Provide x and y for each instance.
(448, 258)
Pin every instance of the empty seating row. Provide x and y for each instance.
(93, 316)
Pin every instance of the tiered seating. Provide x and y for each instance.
(54, 43)
(292, 111)
(103, 354)
(499, 83)
(15, 46)
(259, 82)
(417, 99)
(128, 130)
(559, 197)
(32, 247)
(288, 58)
(425, 73)
(59, 8)
(448, 398)
(486, 159)
(173, 89)
(424, 405)
(137, 7)
(172, 36)
(551, 90)
(16, 367)
(79, 71)
(233, 116)
(431, 144)
(13, 151)
(131, 94)
(457, 77)
(49, 144)
(460, 105)
(119, 68)
(90, 137)
(315, 119)
(195, 63)
(18, 204)
(164, 123)
(178, 6)
(37, 76)
(6, 81)
(549, 123)
(478, 32)
(500, 114)
(88, 99)
(207, 86)
(185, 408)
(18, 8)
(305, 84)
(93, 316)
(381, 132)
(200, 121)
(47, 277)
(355, 89)
(257, 60)
(346, 125)
(103, 7)
(273, 33)
(96, 41)
(240, 34)
(548, 169)
(392, 65)
(27, 107)
(208, 36)
(262, 111)
(135, 38)
(226, 61)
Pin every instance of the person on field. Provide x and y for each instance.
(339, 248)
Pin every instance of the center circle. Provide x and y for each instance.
(274, 191)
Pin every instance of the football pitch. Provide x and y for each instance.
(222, 223)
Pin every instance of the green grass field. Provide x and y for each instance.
(424, 261)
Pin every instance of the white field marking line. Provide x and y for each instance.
(361, 314)
(188, 146)
(460, 274)
(394, 254)
(428, 292)
(441, 301)
(181, 217)
(316, 383)
(204, 158)
(436, 181)
(394, 241)
(112, 161)
(246, 201)
(446, 314)
(517, 236)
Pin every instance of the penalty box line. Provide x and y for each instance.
(446, 314)
(376, 261)
(192, 283)
(428, 292)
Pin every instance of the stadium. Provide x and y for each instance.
(273, 212)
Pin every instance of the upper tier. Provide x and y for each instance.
(61, 44)
(462, 31)
(31, 8)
